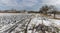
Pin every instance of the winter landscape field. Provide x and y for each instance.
(27, 23)
(29, 16)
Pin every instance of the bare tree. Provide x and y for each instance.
(54, 12)
(44, 9)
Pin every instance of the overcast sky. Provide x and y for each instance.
(26, 4)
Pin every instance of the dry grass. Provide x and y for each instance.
(48, 16)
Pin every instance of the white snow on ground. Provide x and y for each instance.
(9, 19)
(37, 20)
(48, 22)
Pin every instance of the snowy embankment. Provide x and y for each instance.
(38, 19)
(46, 21)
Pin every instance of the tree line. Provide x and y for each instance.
(48, 10)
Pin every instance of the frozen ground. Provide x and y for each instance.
(15, 21)
(8, 20)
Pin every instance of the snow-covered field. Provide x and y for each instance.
(9, 21)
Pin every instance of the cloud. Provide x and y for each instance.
(8, 2)
(20, 3)
(55, 3)
(51, 2)
(27, 4)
